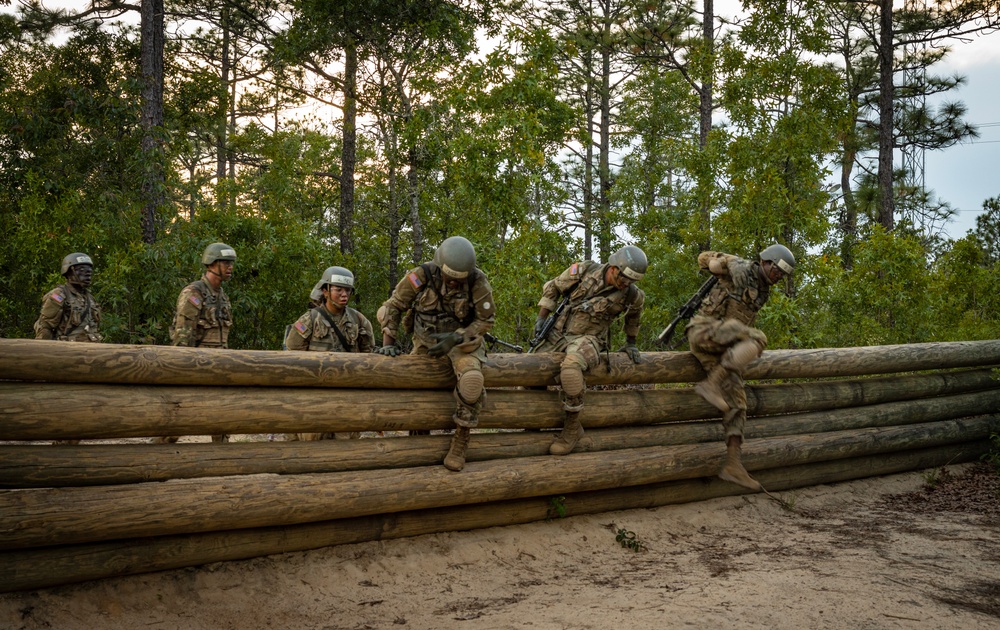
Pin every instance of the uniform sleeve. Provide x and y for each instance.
(634, 314)
(485, 307)
(560, 285)
(51, 314)
(366, 334)
(186, 318)
(299, 333)
(391, 311)
(718, 264)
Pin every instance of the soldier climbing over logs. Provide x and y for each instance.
(575, 314)
(448, 305)
(723, 339)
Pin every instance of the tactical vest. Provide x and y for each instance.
(81, 317)
(435, 311)
(214, 319)
(592, 306)
(739, 297)
(324, 337)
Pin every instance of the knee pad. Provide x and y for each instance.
(571, 378)
(742, 354)
(470, 386)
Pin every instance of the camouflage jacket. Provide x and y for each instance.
(593, 305)
(314, 332)
(468, 309)
(69, 315)
(740, 293)
(203, 317)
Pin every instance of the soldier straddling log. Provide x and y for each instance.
(449, 304)
(204, 314)
(69, 311)
(594, 295)
(723, 339)
(332, 326)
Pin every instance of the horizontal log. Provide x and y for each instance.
(35, 360)
(34, 466)
(51, 411)
(55, 566)
(32, 518)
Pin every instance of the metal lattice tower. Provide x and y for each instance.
(913, 160)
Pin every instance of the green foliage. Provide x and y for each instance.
(450, 142)
(628, 540)
(884, 299)
(557, 507)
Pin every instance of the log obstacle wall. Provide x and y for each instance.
(74, 513)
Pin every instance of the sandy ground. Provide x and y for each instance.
(878, 553)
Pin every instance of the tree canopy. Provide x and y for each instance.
(362, 133)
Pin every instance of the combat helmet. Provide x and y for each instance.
(456, 257)
(781, 256)
(76, 258)
(631, 261)
(337, 276)
(218, 251)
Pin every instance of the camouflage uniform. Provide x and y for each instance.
(583, 329)
(69, 314)
(725, 320)
(203, 318)
(467, 309)
(314, 333)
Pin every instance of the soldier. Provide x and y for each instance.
(69, 311)
(723, 339)
(204, 315)
(452, 307)
(595, 295)
(331, 326)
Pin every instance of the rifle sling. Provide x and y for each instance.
(329, 319)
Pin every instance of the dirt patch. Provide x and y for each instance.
(918, 551)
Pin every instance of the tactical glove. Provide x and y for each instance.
(632, 351)
(539, 324)
(445, 342)
(389, 351)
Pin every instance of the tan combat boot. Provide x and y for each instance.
(733, 470)
(711, 388)
(455, 459)
(571, 433)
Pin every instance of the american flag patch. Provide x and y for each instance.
(415, 280)
(58, 297)
(194, 299)
(574, 269)
(299, 326)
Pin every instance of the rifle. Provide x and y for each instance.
(493, 341)
(686, 312)
(550, 322)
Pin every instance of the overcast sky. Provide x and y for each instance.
(966, 175)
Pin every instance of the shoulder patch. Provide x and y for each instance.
(574, 269)
(194, 299)
(58, 297)
(415, 280)
(300, 326)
